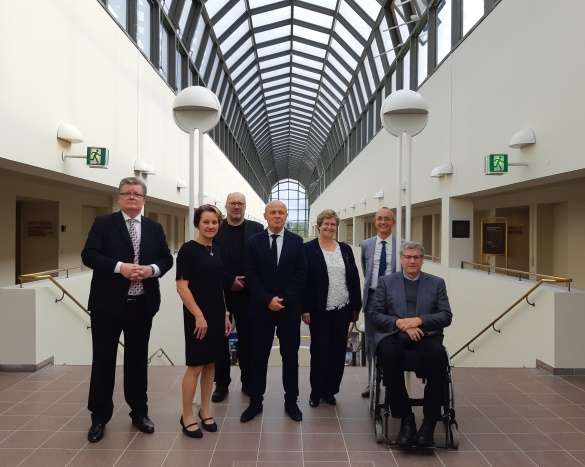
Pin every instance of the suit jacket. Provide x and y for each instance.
(317, 284)
(267, 281)
(389, 305)
(368, 250)
(224, 242)
(109, 242)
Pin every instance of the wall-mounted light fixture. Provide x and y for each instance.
(217, 200)
(522, 138)
(378, 195)
(363, 201)
(442, 170)
(144, 167)
(181, 184)
(351, 205)
(69, 133)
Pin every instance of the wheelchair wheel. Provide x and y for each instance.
(454, 435)
(379, 430)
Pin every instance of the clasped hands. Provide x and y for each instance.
(275, 304)
(411, 327)
(238, 284)
(136, 272)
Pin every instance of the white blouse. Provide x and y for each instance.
(337, 295)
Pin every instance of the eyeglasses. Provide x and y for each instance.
(414, 257)
(387, 219)
(133, 195)
(235, 204)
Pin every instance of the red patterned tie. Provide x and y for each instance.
(135, 286)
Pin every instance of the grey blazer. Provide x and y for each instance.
(389, 305)
(368, 249)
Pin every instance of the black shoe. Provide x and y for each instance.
(314, 402)
(144, 424)
(407, 431)
(191, 434)
(96, 432)
(220, 393)
(250, 413)
(425, 436)
(293, 411)
(330, 400)
(366, 393)
(211, 427)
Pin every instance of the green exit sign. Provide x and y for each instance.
(496, 164)
(97, 158)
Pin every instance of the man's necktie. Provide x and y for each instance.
(382, 268)
(274, 250)
(135, 286)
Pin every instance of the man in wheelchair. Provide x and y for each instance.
(409, 312)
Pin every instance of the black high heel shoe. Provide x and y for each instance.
(211, 427)
(191, 434)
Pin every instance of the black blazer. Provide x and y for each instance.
(317, 285)
(109, 242)
(267, 281)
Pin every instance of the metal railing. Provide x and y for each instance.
(433, 259)
(525, 296)
(42, 275)
(47, 275)
(521, 275)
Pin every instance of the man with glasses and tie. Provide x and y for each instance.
(409, 311)
(231, 239)
(276, 268)
(128, 254)
(378, 259)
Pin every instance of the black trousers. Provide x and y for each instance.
(434, 359)
(287, 327)
(238, 307)
(328, 349)
(136, 323)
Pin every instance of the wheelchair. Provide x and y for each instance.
(381, 410)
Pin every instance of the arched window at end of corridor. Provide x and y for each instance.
(294, 196)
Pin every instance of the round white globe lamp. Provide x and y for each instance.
(404, 112)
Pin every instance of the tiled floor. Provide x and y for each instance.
(516, 417)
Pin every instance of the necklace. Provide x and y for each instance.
(209, 248)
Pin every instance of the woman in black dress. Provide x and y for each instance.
(199, 272)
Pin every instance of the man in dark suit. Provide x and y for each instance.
(409, 312)
(231, 239)
(276, 268)
(378, 259)
(128, 253)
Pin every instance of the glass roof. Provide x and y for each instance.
(296, 69)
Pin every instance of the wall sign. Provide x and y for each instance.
(460, 229)
(39, 228)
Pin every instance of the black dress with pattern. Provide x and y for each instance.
(203, 271)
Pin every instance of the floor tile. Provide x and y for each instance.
(507, 417)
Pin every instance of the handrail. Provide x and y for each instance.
(162, 354)
(44, 275)
(488, 269)
(525, 296)
(434, 259)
